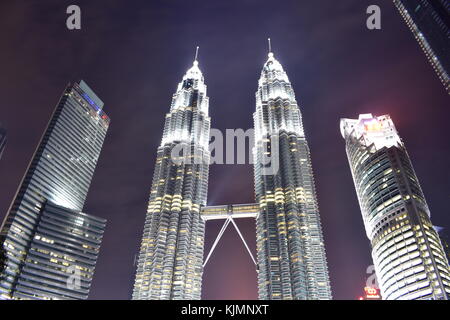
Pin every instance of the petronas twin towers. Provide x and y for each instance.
(291, 252)
(171, 255)
(291, 259)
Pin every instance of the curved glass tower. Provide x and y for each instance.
(409, 260)
(290, 248)
(171, 254)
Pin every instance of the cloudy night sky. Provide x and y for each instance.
(134, 53)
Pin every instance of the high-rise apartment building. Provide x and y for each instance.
(49, 247)
(409, 260)
(290, 248)
(429, 21)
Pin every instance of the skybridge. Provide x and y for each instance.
(229, 213)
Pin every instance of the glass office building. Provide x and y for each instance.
(408, 256)
(290, 248)
(429, 21)
(61, 257)
(171, 253)
(44, 236)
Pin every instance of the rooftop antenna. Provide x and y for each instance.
(270, 48)
(196, 53)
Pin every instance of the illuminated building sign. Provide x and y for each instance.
(96, 108)
(91, 102)
(371, 294)
(375, 131)
(372, 125)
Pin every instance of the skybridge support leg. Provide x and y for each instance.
(243, 240)
(219, 236)
(224, 227)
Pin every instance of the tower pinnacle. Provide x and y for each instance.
(194, 72)
(196, 55)
(270, 48)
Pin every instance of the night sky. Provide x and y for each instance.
(134, 53)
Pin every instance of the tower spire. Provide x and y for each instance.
(270, 48)
(196, 53)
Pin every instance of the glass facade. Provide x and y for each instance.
(408, 256)
(443, 235)
(290, 247)
(171, 253)
(61, 257)
(59, 175)
(429, 21)
(2, 140)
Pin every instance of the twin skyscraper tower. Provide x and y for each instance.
(291, 259)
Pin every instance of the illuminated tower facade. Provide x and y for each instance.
(290, 246)
(48, 246)
(429, 21)
(171, 253)
(408, 256)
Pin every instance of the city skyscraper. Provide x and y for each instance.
(408, 256)
(49, 247)
(171, 253)
(429, 21)
(290, 248)
(2, 140)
